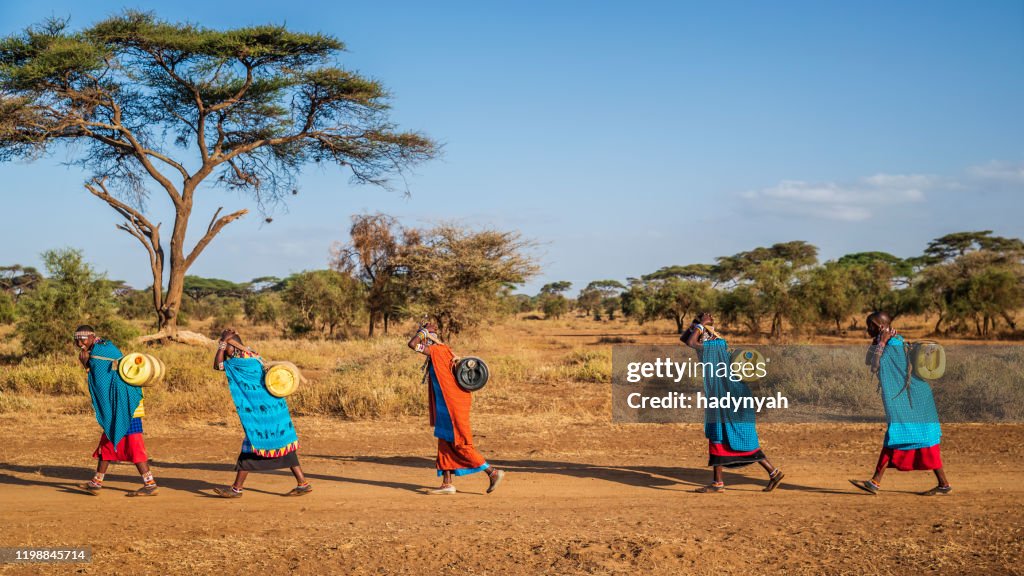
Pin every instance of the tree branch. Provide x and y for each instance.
(141, 228)
(216, 225)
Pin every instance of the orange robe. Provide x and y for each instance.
(449, 415)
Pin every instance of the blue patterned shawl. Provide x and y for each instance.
(113, 400)
(736, 429)
(910, 411)
(265, 417)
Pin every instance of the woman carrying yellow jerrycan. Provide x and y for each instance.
(270, 441)
(117, 403)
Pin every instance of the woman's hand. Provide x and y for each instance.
(885, 334)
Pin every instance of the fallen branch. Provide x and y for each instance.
(181, 336)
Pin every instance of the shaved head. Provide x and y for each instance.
(879, 319)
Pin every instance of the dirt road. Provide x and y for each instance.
(579, 498)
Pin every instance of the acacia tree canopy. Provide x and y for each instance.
(150, 104)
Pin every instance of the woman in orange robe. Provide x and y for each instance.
(449, 415)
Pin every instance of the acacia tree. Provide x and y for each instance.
(16, 279)
(973, 276)
(372, 257)
(457, 278)
(601, 295)
(678, 292)
(144, 103)
(322, 301)
(552, 300)
(768, 277)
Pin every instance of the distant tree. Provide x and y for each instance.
(73, 294)
(554, 305)
(266, 284)
(559, 287)
(264, 308)
(521, 303)
(678, 293)
(134, 304)
(15, 280)
(248, 107)
(771, 276)
(884, 282)
(833, 292)
(680, 300)
(322, 301)
(951, 246)
(198, 288)
(457, 277)
(552, 300)
(974, 278)
(601, 296)
(372, 256)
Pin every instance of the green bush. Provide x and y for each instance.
(264, 308)
(73, 294)
(226, 317)
(7, 310)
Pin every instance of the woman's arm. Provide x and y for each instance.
(218, 358)
(419, 341)
(878, 349)
(693, 340)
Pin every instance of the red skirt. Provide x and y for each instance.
(723, 455)
(131, 448)
(929, 458)
(461, 459)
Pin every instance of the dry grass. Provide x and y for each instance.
(553, 370)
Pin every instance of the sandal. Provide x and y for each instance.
(938, 491)
(496, 479)
(150, 490)
(713, 488)
(866, 485)
(90, 487)
(301, 490)
(774, 480)
(227, 493)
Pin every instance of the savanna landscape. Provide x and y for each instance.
(164, 119)
(583, 495)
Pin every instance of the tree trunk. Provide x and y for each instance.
(1009, 320)
(373, 321)
(776, 326)
(679, 323)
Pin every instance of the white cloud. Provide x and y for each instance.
(854, 202)
(1002, 171)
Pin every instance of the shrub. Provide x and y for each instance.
(73, 294)
(7, 311)
(263, 308)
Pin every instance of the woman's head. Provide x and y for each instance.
(705, 318)
(85, 336)
(231, 337)
(876, 321)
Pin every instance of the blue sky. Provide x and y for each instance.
(621, 137)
